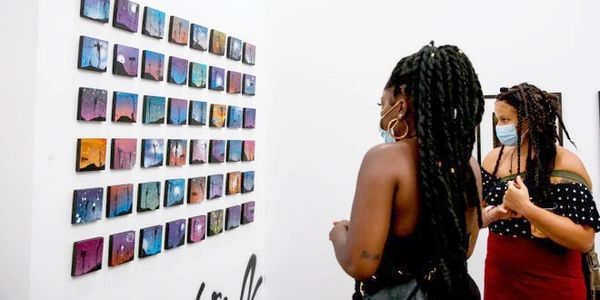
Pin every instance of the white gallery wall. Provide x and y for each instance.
(329, 61)
(40, 133)
(321, 66)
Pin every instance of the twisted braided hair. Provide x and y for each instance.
(540, 110)
(448, 102)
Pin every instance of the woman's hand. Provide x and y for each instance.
(516, 197)
(339, 230)
(500, 212)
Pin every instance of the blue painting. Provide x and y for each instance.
(197, 75)
(248, 182)
(119, 201)
(124, 107)
(197, 113)
(152, 152)
(215, 186)
(150, 241)
(87, 205)
(97, 10)
(178, 68)
(153, 65)
(175, 234)
(234, 150)
(199, 37)
(177, 111)
(93, 54)
(154, 110)
(249, 86)
(234, 48)
(126, 15)
(148, 196)
(154, 23)
(174, 192)
(234, 117)
(216, 79)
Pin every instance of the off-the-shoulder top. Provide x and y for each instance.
(573, 200)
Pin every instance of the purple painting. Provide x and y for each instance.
(125, 61)
(233, 217)
(121, 247)
(92, 104)
(249, 57)
(175, 234)
(126, 15)
(178, 68)
(249, 118)
(87, 256)
(198, 152)
(248, 212)
(217, 151)
(196, 229)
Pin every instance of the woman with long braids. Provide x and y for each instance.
(540, 210)
(415, 215)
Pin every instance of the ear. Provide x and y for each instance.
(402, 106)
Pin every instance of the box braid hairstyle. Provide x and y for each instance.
(446, 95)
(540, 110)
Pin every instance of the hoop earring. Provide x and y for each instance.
(392, 128)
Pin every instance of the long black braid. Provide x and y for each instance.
(448, 102)
(540, 111)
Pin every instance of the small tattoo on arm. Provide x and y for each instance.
(369, 256)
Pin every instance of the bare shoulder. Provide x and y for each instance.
(489, 162)
(383, 153)
(382, 156)
(569, 161)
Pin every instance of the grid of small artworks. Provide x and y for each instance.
(97, 154)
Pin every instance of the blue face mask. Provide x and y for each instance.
(507, 134)
(387, 137)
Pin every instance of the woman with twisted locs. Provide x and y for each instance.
(415, 215)
(538, 203)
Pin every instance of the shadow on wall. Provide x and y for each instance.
(250, 270)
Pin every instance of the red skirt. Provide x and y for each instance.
(524, 268)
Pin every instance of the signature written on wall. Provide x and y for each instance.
(248, 275)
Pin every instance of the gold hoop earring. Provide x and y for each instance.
(392, 128)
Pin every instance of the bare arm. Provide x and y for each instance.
(472, 217)
(359, 243)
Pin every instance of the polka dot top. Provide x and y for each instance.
(573, 200)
